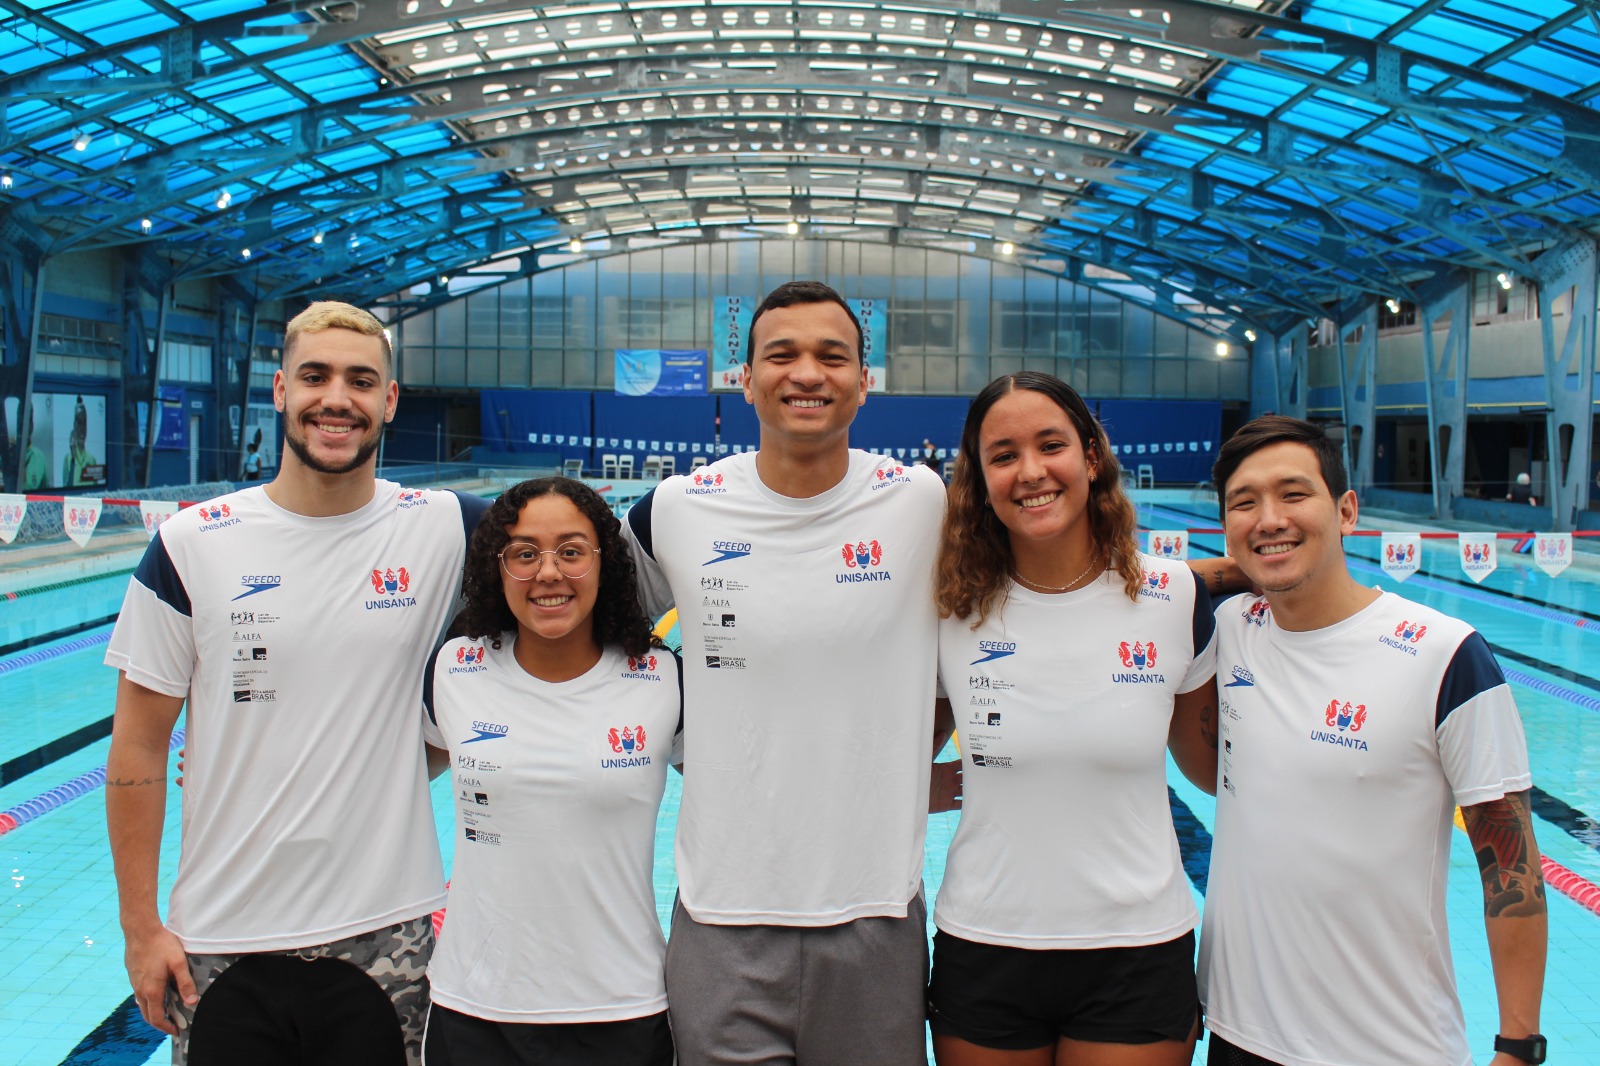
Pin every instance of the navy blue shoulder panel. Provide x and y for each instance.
(1472, 670)
(639, 522)
(156, 573)
(473, 508)
(427, 683)
(1205, 616)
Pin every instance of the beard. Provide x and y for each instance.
(355, 462)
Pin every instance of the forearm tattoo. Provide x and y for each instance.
(1502, 839)
(128, 782)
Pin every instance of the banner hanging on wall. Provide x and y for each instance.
(1552, 552)
(660, 372)
(13, 508)
(873, 316)
(1402, 554)
(1169, 544)
(1479, 556)
(730, 332)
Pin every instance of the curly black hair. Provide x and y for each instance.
(619, 619)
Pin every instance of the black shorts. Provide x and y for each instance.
(1017, 998)
(1222, 1053)
(456, 1039)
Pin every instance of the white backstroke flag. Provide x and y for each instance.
(1552, 552)
(79, 516)
(1402, 554)
(12, 509)
(1170, 544)
(1478, 556)
(155, 512)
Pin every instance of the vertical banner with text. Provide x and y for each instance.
(730, 333)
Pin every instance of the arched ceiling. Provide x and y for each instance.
(1234, 164)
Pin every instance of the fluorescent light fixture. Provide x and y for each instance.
(1504, 280)
(793, 228)
(80, 141)
(316, 238)
(575, 246)
(1249, 334)
(1006, 248)
(1222, 349)
(224, 198)
(1393, 305)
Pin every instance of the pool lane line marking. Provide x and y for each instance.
(45, 754)
(123, 1038)
(13, 663)
(61, 795)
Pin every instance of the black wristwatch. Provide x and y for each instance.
(1529, 1049)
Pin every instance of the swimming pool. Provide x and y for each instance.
(63, 993)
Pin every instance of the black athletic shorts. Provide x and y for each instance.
(456, 1039)
(1222, 1053)
(1018, 998)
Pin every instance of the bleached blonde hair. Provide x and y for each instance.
(331, 314)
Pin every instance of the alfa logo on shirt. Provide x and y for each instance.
(627, 742)
(391, 584)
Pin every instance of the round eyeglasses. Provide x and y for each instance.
(574, 558)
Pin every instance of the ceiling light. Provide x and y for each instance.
(224, 198)
(1222, 349)
(1504, 280)
(1393, 305)
(245, 253)
(145, 224)
(80, 141)
(1006, 248)
(316, 238)
(575, 246)
(1249, 334)
(444, 279)
(793, 228)
(5, 181)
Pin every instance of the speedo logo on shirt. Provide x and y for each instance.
(487, 731)
(1242, 678)
(254, 583)
(990, 650)
(729, 549)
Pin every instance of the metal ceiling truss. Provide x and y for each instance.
(1026, 108)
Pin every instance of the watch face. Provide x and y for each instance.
(1530, 1049)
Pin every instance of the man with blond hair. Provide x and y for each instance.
(294, 618)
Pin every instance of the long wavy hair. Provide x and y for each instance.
(975, 560)
(619, 619)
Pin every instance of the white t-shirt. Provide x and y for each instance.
(552, 913)
(1345, 753)
(1063, 703)
(300, 644)
(809, 645)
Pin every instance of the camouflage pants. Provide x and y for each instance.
(396, 957)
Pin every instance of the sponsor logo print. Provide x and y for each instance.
(1475, 554)
(704, 484)
(1257, 612)
(1242, 678)
(729, 549)
(629, 743)
(216, 516)
(478, 836)
(1139, 659)
(1167, 547)
(392, 585)
(1002, 761)
(1554, 549)
(1399, 554)
(711, 583)
(1348, 718)
(487, 731)
(469, 660)
(642, 668)
(412, 498)
(990, 650)
(255, 695)
(11, 514)
(885, 476)
(1154, 585)
(860, 559)
(254, 583)
(1406, 635)
(724, 662)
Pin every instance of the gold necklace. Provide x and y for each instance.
(1053, 588)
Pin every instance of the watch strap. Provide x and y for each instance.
(1530, 1049)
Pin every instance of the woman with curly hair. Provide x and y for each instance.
(560, 715)
(1065, 922)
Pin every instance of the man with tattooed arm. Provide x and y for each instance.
(1352, 723)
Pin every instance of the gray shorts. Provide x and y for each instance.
(765, 995)
(395, 957)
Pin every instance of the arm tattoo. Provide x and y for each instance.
(1208, 726)
(1214, 582)
(1502, 838)
(128, 782)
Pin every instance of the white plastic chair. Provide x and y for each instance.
(652, 468)
(669, 466)
(697, 462)
(572, 468)
(1146, 476)
(625, 465)
(608, 465)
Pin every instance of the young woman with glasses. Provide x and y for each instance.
(1072, 661)
(560, 716)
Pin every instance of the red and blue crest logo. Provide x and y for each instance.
(1155, 579)
(1475, 553)
(81, 517)
(10, 513)
(1257, 612)
(391, 582)
(1166, 547)
(707, 479)
(1552, 548)
(863, 553)
(626, 741)
(1410, 631)
(886, 472)
(1399, 553)
(469, 655)
(1346, 716)
(214, 512)
(1138, 655)
(644, 663)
